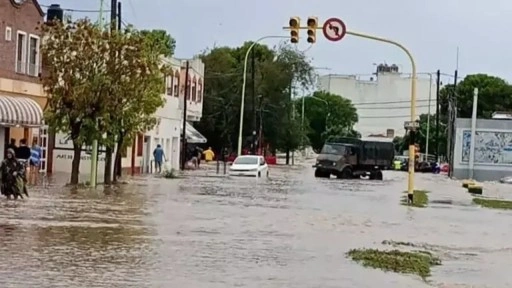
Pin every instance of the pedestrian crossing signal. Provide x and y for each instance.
(312, 27)
(294, 29)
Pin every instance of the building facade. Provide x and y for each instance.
(169, 129)
(167, 132)
(493, 149)
(22, 98)
(383, 100)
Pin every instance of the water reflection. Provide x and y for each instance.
(291, 230)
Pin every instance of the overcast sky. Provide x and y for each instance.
(432, 29)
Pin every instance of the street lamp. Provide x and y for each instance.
(242, 104)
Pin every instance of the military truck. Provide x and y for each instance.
(352, 158)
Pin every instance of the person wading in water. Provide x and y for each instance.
(11, 176)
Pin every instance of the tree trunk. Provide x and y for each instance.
(75, 164)
(107, 176)
(287, 156)
(117, 158)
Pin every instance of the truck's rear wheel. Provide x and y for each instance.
(345, 174)
(376, 175)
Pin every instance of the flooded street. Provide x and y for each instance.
(291, 230)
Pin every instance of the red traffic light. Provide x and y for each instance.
(294, 22)
(312, 22)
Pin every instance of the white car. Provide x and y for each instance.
(249, 165)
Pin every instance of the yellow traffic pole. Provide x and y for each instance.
(410, 186)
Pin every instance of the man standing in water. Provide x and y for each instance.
(159, 155)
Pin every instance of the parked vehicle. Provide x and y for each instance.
(249, 165)
(506, 180)
(348, 158)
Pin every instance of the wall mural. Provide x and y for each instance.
(491, 147)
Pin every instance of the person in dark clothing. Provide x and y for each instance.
(23, 152)
(198, 153)
(11, 145)
(11, 179)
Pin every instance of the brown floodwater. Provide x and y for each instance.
(291, 230)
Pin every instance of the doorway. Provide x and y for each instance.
(146, 157)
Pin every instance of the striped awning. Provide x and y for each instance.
(20, 111)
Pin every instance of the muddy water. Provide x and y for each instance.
(288, 231)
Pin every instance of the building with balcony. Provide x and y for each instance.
(22, 98)
(169, 129)
(383, 99)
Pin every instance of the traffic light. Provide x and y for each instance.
(312, 26)
(294, 29)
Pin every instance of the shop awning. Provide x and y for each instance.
(193, 136)
(20, 111)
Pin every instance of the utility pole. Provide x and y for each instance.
(119, 19)
(452, 115)
(184, 132)
(289, 112)
(118, 161)
(113, 14)
(438, 83)
(253, 73)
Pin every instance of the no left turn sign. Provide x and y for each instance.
(334, 29)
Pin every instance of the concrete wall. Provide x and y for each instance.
(386, 97)
(493, 149)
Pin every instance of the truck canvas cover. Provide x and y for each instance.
(372, 151)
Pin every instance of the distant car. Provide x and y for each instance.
(249, 165)
(506, 180)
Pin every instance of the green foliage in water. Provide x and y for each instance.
(493, 203)
(415, 262)
(420, 199)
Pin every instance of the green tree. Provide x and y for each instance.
(74, 55)
(326, 116)
(275, 71)
(159, 42)
(137, 75)
(494, 94)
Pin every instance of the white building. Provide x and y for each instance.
(167, 132)
(383, 100)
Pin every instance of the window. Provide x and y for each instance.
(21, 52)
(8, 34)
(170, 80)
(200, 93)
(194, 91)
(188, 89)
(33, 56)
(177, 85)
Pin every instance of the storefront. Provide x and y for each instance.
(22, 118)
